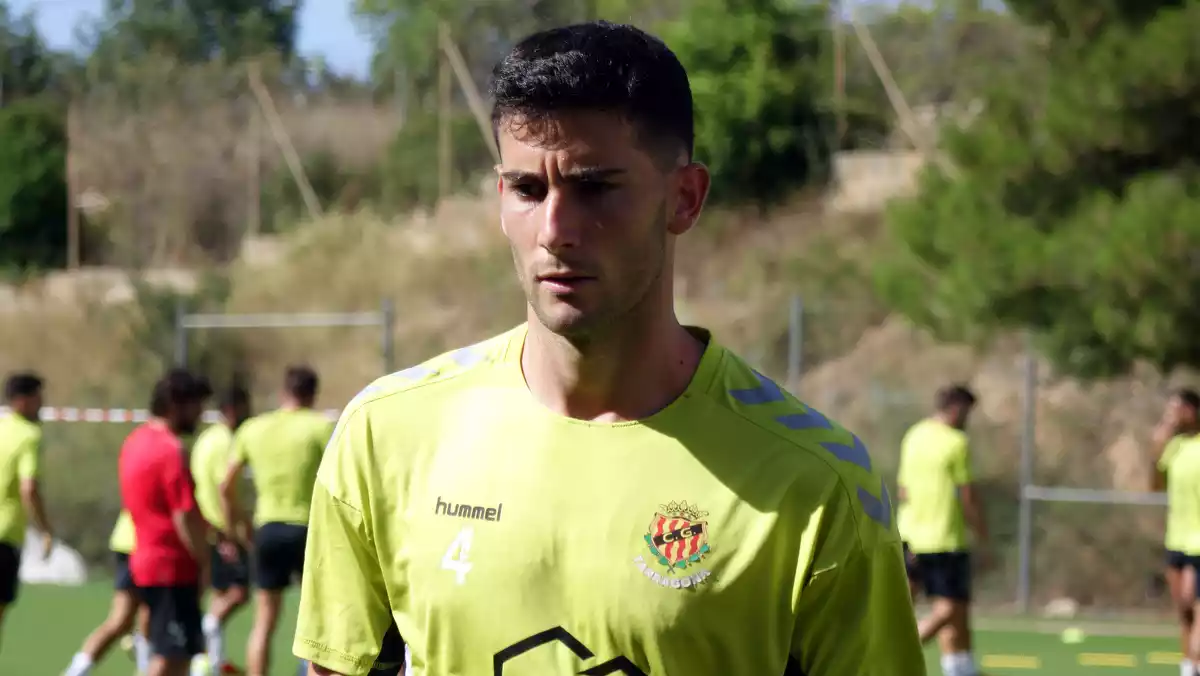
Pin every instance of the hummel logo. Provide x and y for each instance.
(465, 511)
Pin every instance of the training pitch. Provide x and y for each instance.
(48, 624)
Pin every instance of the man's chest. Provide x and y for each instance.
(623, 554)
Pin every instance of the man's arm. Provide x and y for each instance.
(345, 614)
(28, 470)
(854, 615)
(1164, 445)
(185, 515)
(968, 496)
(236, 524)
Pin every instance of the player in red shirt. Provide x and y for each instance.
(170, 564)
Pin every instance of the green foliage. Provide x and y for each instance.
(335, 185)
(758, 71)
(410, 174)
(33, 191)
(1074, 206)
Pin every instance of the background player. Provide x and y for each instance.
(20, 496)
(170, 562)
(1177, 425)
(283, 450)
(124, 611)
(546, 500)
(938, 499)
(210, 458)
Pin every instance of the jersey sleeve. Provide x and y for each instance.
(854, 615)
(237, 447)
(344, 613)
(29, 459)
(960, 463)
(1169, 453)
(177, 482)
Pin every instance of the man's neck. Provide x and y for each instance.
(628, 375)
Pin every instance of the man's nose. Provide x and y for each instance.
(561, 222)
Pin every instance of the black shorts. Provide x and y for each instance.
(279, 554)
(942, 574)
(175, 631)
(122, 578)
(226, 575)
(10, 573)
(1176, 560)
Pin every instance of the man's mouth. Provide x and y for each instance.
(564, 282)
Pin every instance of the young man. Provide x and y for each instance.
(170, 562)
(601, 490)
(937, 501)
(1177, 425)
(211, 455)
(123, 612)
(283, 450)
(20, 497)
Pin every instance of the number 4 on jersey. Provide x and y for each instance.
(457, 556)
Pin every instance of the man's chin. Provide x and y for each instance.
(569, 321)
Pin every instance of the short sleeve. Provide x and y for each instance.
(177, 481)
(1169, 452)
(237, 448)
(855, 616)
(344, 614)
(960, 463)
(29, 458)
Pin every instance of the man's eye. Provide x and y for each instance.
(527, 190)
(592, 188)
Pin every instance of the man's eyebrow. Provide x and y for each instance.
(579, 174)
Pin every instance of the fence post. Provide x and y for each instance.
(181, 342)
(795, 358)
(388, 344)
(1025, 524)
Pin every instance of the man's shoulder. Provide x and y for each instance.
(824, 453)
(454, 368)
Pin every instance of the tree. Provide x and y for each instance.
(33, 188)
(26, 66)
(1073, 205)
(760, 79)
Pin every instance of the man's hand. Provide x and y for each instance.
(1167, 427)
(47, 545)
(227, 551)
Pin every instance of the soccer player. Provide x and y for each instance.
(1177, 425)
(170, 561)
(123, 612)
(282, 449)
(20, 497)
(937, 501)
(600, 490)
(211, 455)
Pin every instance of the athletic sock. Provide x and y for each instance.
(81, 665)
(215, 640)
(1186, 668)
(959, 664)
(141, 653)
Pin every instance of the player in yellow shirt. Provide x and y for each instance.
(123, 612)
(210, 459)
(1183, 494)
(601, 490)
(937, 501)
(20, 497)
(1178, 424)
(283, 449)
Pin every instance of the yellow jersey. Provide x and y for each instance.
(209, 463)
(20, 455)
(935, 462)
(283, 449)
(737, 531)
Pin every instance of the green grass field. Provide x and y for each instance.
(47, 626)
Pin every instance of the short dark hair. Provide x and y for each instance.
(234, 396)
(952, 395)
(598, 66)
(1189, 397)
(22, 384)
(301, 382)
(178, 386)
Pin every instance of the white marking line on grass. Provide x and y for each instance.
(1107, 660)
(1164, 658)
(1010, 662)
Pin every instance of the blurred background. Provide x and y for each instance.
(906, 194)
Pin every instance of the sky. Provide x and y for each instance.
(325, 28)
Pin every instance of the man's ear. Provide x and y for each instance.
(692, 184)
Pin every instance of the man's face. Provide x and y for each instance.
(1180, 413)
(29, 406)
(959, 414)
(590, 216)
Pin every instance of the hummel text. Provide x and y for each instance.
(464, 511)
